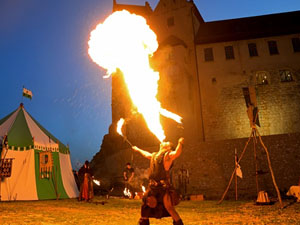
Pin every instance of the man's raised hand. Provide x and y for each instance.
(181, 141)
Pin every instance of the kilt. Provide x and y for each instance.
(154, 196)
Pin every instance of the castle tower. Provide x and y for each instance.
(175, 23)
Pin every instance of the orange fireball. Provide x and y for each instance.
(124, 41)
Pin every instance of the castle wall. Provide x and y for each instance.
(210, 165)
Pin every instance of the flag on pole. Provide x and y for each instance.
(27, 93)
(238, 171)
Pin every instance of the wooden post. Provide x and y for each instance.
(255, 159)
(271, 170)
(234, 171)
(236, 185)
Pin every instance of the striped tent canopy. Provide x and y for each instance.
(34, 164)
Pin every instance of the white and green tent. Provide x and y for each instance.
(25, 141)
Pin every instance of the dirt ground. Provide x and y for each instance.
(117, 211)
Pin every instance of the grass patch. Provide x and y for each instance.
(126, 212)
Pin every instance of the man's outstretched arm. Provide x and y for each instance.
(144, 153)
(175, 154)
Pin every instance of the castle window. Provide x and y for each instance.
(229, 53)
(262, 78)
(170, 21)
(252, 50)
(273, 48)
(296, 44)
(285, 76)
(208, 54)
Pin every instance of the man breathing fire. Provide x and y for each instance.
(125, 42)
(160, 197)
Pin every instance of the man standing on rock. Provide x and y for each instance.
(160, 198)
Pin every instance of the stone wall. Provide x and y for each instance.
(280, 105)
(221, 81)
(210, 165)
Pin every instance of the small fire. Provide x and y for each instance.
(127, 193)
(124, 41)
(96, 182)
(119, 126)
(144, 189)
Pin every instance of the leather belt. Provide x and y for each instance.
(155, 183)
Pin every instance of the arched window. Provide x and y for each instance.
(286, 76)
(262, 78)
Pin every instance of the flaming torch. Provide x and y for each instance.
(125, 41)
(119, 130)
(144, 189)
(97, 182)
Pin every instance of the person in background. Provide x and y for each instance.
(86, 177)
(128, 174)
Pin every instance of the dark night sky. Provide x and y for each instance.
(43, 45)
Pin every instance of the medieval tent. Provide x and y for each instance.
(34, 164)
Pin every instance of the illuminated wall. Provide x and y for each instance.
(222, 81)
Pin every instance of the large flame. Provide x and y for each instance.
(124, 41)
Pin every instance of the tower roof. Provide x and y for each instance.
(142, 10)
(249, 28)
